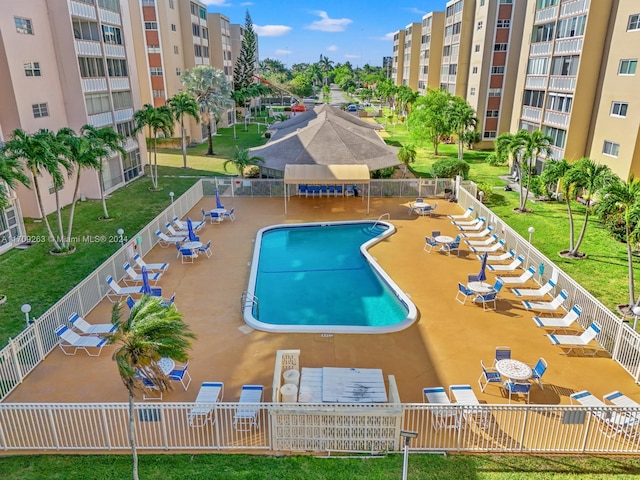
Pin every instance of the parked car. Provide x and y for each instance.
(352, 108)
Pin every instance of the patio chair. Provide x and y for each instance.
(491, 248)
(514, 265)
(620, 399)
(555, 322)
(570, 342)
(186, 254)
(463, 293)
(70, 342)
(419, 200)
(435, 233)
(482, 243)
(302, 190)
(535, 292)
(137, 277)
(332, 190)
(502, 353)
(181, 374)
(455, 245)
(473, 228)
(117, 292)
(339, 190)
(165, 240)
(517, 388)
(433, 208)
(175, 233)
(468, 223)
(183, 225)
(170, 302)
(611, 423)
(484, 233)
(248, 417)
(537, 371)
(130, 302)
(150, 390)
(499, 258)
(551, 306)
(80, 324)
(206, 249)
(230, 215)
(349, 191)
(467, 213)
(487, 300)
(429, 244)
(442, 417)
(523, 278)
(212, 216)
(209, 394)
(488, 375)
(150, 266)
(424, 210)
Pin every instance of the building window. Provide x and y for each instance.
(151, 25)
(156, 71)
(611, 148)
(495, 92)
(97, 103)
(195, 29)
(205, 33)
(543, 33)
(619, 109)
(194, 9)
(122, 100)
(506, 2)
(117, 68)
(503, 23)
(126, 129)
(203, 13)
(23, 25)
(497, 70)
(176, 50)
(545, 4)
(173, 27)
(91, 67)
(572, 27)
(492, 113)
(205, 52)
(158, 94)
(110, 4)
(627, 67)
(558, 136)
(500, 47)
(479, 25)
(533, 98)
(148, 3)
(472, 91)
(565, 66)
(83, 30)
(32, 69)
(111, 35)
(559, 102)
(131, 165)
(634, 22)
(482, 3)
(178, 72)
(171, 5)
(453, 69)
(538, 66)
(197, 50)
(40, 110)
(477, 48)
(490, 134)
(474, 71)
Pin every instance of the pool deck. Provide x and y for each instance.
(443, 347)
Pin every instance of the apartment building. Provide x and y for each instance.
(397, 67)
(11, 224)
(411, 52)
(170, 37)
(496, 45)
(431, 37)
(616, 134)
(387, 63)
(221, 54)
(559, 75)
(67, 64)
(456, 46)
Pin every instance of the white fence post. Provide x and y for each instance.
(14, 354)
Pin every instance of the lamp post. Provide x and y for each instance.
(235, 137)
(636, 314)
(407, 435)
(171, 194)
(530, 230)
(26, 308)
(120, 235)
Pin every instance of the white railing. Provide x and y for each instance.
(101, 119)
(94, 85)
(562, 83)
(547, 14)
(124, 114)
(533, 114)
(543, 48)
(116, 51)
(536, 81)
(569, 45)
(556, 118)
(79, 9)
(574, 8)
(85, 47)
(107, 16)
(119, 83)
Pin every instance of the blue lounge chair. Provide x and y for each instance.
(248, 417)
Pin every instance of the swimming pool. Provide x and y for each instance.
(320, 278)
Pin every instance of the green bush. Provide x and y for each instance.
(383, 173)
(487, 190)
(449, 168)
(495, 161)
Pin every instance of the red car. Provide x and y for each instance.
(298, 108)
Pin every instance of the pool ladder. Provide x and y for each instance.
(388, 215)
(248, 299)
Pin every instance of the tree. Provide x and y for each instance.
(326, 66)
(157, 120)
(107, 142)
(182, 104)
(534, 145)
(624, 198)
(427, 119)
(11, 171)
(462, 118)
(150, 332)
(212, 93)
(556, 174)
(245, 67)
(407, 154)
(509, 145)
(242, 159)
(406, 97)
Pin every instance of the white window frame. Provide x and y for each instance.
(23, 25)
(611, 149)
(617, 109)
(628, 62)
(40, 110)
(472, 91)
(32, 69)
(634, 23)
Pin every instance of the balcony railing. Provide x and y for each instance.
(115, 51)
(94, 85)
(536, 81)
(86, 47)
(79, 9)
(569, 45)
(101, 119)
(532, 114)
(547, 14)
(557, 119)
(119, 83)
(107, 16)
(574, 8)
(543, 48)
(562, 83)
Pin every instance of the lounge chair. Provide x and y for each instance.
(484, 233)
(70, 342)
(442, 417)
(463, 293)
(175, 233)
(231, 214)
(80, 324)
(150, 266)
(514, 265)
(620, 399)
(137, 277)
(492, 248)
(467, 213)
(524, 278)
(210, 393)
(570, 342)
(181, 374)
(473, 228)
(499, 258)
(213, 216)
(117, 292)
(611, 423)
(537, 371)
(248, 417)
(551, 306)
(464, 395)
(535, 292)
(165, 240)
(488, 375)
(517, 388)
(468, 223)
(482, 243)
(183, 225)
(555, 322)
(429, 244)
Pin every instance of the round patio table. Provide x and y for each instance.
(166, 364)
(514, 369)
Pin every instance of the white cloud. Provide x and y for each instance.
(417, 11)
(271, 30)
(351, 56)
(327, 24)
(216, 3)
(246, 4)
(279, 51)
(332, 48)
(387, 37)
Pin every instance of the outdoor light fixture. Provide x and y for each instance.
(407, 435)
(530, 230)
(26, 308)
(636, 314)
(120, 234)
(171, 194)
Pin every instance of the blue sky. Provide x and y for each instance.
(344, 30)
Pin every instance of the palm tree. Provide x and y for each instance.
(212, 93)
(407, 154)
(150, 332)
(107, 141)
(556, 173)
(462, 118)
(184, 104)
(11, 171)
(534, 145)
(242, 159)
(325, 67)
(624, 198)
(509, 145)
(156, 120)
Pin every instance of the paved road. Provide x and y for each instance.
(337, 96)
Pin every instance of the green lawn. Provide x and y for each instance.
(230, 467)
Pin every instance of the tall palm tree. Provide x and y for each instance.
(534, 145)
(11, 171)
(157, 120)
(556, 174)
(107, 142)
(242, 159)
(212, 92)
(462, 117)
(407, 154)
(184, 104)
(150, 332)
(325, 67)
(509, 145)
(624, 197)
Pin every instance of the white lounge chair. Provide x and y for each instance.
(150, 266)
(522, 279)
(442, 417)
(620, 400)
(137, 277)
(484, 233)
(554, 322)
(176, 233)
(468, 223)
(467, 214)
(570, 342)
(183, 225)
(248, 417)
(535, 292)
(492, 248)
(499, 258)
(165, 240)
(551, 306)
(463, 395)
(80, 324)
(473, 228)
(482, 243)
(70, 342)
(210, 393)
(514, 265)
(611, 423)
(117, 292)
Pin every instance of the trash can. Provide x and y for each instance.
(291, 377)
(289, 393)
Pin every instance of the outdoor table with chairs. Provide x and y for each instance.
(480, 287)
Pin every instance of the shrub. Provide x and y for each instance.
(495, 161)
(383, 173)
(252, 172)
(449, 168)
(487, 190)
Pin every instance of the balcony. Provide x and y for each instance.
(82, 10)
(562, 84)
(114, 51)
(557, 119)
(131, 144)
(556, 153)
(536, 81)
(538, 49)
(576, 7)
(107, 16)
(85, 47)
(119, 83)
(547, 14)
(90, 85)
(124, 114)
(532, 114)
(569, 45)
(101, 119)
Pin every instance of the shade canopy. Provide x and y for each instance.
(326, 174)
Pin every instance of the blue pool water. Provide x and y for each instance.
(316, 278)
